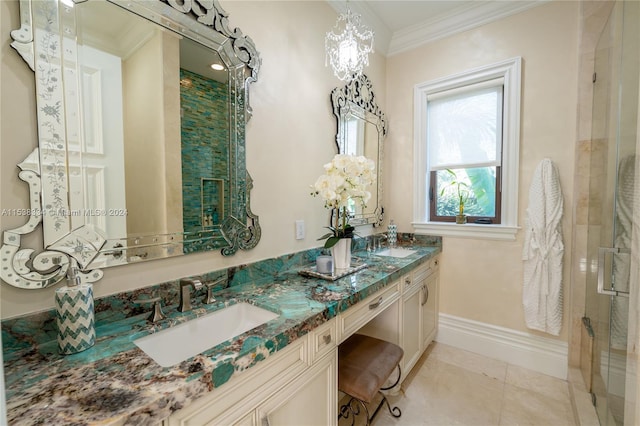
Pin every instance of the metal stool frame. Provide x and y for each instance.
(349, 409)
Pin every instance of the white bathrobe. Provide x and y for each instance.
(543, 251)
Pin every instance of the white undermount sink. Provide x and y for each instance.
(395, 252)
(176, 344)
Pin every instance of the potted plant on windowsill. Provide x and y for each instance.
(346, 179)
(462, 194)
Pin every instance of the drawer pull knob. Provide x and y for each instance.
(407, 281)
(376, 304)
(326, 338)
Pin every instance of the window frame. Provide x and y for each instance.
(510, 71)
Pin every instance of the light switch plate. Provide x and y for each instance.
(299, 229)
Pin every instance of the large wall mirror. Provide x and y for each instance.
(142, 107)
(361, 129)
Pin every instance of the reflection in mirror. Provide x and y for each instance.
(204, 100)
(141, 135)
(361, 130)
(156, 129)
(361, 138)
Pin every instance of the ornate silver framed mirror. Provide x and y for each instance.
(361, 129)
(142, 107)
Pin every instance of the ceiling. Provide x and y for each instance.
(401, 25)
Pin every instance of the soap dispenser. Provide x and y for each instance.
(392, 234)
(74, 314)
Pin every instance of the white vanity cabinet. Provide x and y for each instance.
(430, 295)
(272, 392)
(299, 385)
(411, 323)
(311, 399)
(419, 312)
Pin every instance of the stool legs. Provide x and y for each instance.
(352, 408)
(397, 380)
(394, 411)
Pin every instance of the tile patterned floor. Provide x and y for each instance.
(450, 386)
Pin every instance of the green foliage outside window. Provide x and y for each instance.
(476, 187)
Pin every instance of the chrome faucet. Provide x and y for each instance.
(380, 238)
(185, 292)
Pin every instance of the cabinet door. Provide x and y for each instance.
(429, 306)
(247, 419)
(234, 403)
(234, 419)
(411, 337)
(311, 399)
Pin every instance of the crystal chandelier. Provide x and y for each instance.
(348, 46)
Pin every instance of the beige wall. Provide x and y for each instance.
(172, 131)
(144, 137)
(481, 280)
(153, 165)
(289, 138)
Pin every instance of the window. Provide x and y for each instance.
(466, 149)
(464, 140)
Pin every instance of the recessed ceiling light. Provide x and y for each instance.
(217, 67)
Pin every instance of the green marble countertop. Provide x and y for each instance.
(116, 382)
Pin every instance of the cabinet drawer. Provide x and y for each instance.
(407, 283)
(360, 314)
(322, 340)
(425, 270)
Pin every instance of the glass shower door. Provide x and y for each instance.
(612, 189)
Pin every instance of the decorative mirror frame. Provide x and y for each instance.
(358, 99)
(46, 35)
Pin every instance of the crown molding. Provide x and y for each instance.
(456, 21)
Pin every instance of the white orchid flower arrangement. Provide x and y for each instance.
(346, 178)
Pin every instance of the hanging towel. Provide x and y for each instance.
(543, 251)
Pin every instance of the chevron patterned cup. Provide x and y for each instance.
(74, 317)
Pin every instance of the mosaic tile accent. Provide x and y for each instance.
(205, 151)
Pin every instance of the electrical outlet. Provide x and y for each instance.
(299, 229)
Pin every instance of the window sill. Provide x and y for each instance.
(468, 230)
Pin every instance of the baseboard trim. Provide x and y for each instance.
(547, 356)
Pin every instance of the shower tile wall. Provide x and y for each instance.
(205, 134)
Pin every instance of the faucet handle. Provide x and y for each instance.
(156, 314)
(209, 299)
